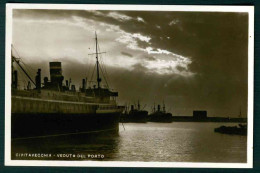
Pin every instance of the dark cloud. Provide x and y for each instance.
(180, 68)
(127, 54)
(215, 42)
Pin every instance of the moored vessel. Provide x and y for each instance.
(135, 115)
(160, 115)
(53, 108)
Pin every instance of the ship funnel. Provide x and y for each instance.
(38, 80)
(56, 74)
(159, 107)
(15, 81)
(83, 84)
(132, 107)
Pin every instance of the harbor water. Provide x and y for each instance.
(163, 142)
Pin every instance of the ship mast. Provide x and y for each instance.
(14, 59)
(98, 78)
(97, 62)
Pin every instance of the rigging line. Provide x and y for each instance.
(107, 76)
(15, 50)
(93, 73)
(17, 62)
(26, 68)
(103, 66)
(100, 58)
(104, 76)
(22, 77)
(101, 62)
(22, 60)
(88, 65)
(24, 71)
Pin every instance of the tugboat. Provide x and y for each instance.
(160, 116)
(53, 108)
(241, 129)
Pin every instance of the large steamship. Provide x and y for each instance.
(53, 108)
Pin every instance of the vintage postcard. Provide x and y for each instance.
(129, 85)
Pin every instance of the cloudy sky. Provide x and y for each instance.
(189, 60)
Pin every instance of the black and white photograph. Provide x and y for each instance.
(129, 86)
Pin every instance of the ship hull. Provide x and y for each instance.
(161, 117)
(24, 126)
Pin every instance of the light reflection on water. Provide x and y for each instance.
(165, 142)
(179, 142)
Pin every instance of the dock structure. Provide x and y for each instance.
(199, 114)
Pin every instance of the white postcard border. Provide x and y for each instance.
(194, 8)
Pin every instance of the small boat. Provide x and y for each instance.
(232, 130)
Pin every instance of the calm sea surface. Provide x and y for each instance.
(165, 142)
